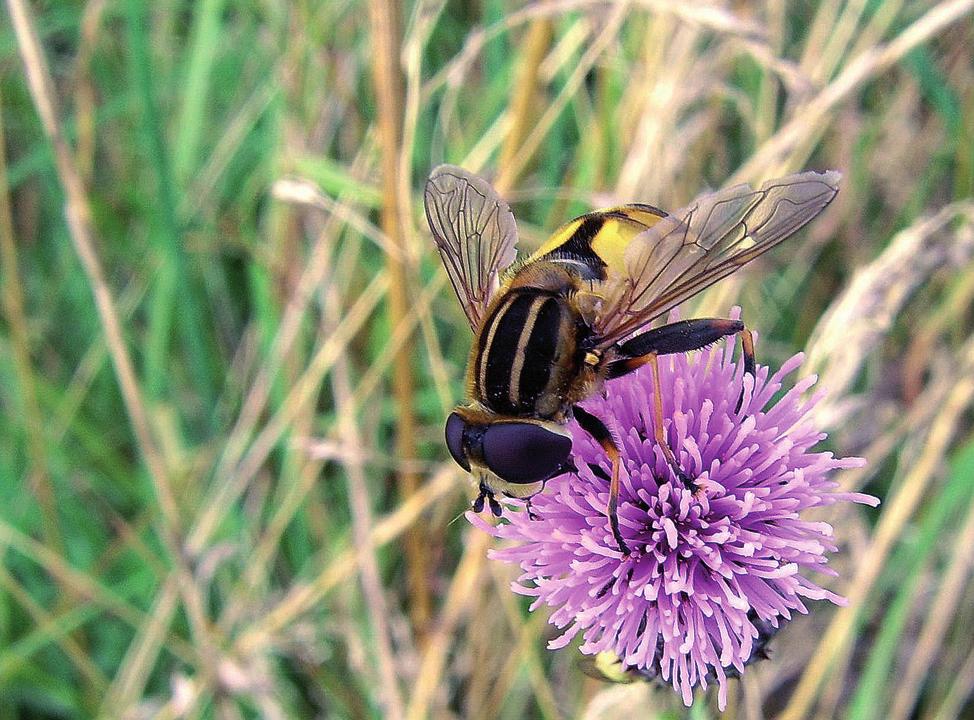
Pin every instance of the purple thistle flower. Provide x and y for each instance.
(712, 572)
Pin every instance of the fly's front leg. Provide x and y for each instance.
(678, 337)
(597, 429)
(747, 350)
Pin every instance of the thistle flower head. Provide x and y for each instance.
(713, 568)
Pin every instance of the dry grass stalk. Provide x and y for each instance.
(959, 692)
(76, 653)
(128, 685)
(81, 230)
(942, 610)
(84, 586)
(467, 579)
(91, 364)
(386, 32)
(526, 632)
(837, 640)
(362, 525)
(85, 99)
(809, 118)
(82, 234)
(509, 173)
(523, 105)
(231, 483)
(961, 295)
(304, 596)
(524, 95)
(257, 394)
(862, 315)
(254, 454)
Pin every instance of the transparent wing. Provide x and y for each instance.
(475, 233)
(695, 247)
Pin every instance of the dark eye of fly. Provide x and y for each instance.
(524, 452)
(454, 440)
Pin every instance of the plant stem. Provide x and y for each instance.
(386, 35)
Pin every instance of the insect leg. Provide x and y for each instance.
(678, 337)
(683, 336)
(653, 361)
(747, 350)
(597, 429)
(488, 496)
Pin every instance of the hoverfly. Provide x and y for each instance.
(550, 331)
(609, 667)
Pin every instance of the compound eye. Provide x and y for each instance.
(455, 427)
(524, 452)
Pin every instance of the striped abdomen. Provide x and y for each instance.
(526, 355)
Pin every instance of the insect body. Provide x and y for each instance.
(551, 331)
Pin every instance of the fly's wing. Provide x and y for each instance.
(695, 247)
(475, 233)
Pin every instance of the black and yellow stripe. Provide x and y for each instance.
(519, 360)
(596, 243)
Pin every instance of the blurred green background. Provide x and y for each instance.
(227, 348)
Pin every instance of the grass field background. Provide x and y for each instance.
(227, 347)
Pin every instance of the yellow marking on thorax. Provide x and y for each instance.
(620, 225)
(561, 236)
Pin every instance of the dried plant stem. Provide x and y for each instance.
(526, 149)
(304, 389)
(943, 610)
(836, 642)
(959, 692)
(84, 586)
(44, 619)
(859, 318)
(526, 630)
(81, 231)
(302, 392)
(951, 315)
(524, 97)
(766, 112)
(362, 526)
(467, 579)
(810, 117)
(386, 33)
(530, 631)
(363, 392)
(91, 364)
(424, 21)
(82, 235)
(85, 96)
(130, 681)
(878, 24)
(231, 482)
(525, 93)
(303, 597)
